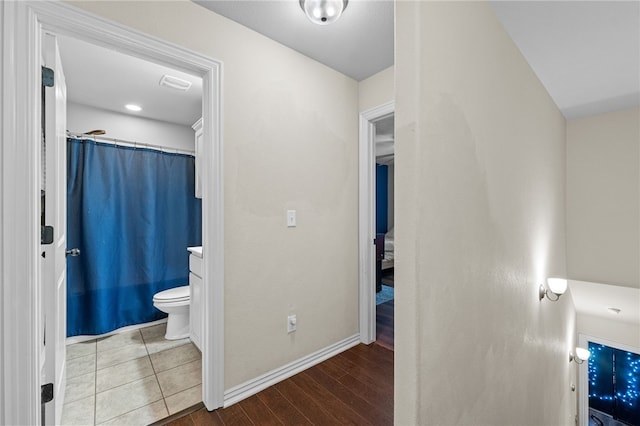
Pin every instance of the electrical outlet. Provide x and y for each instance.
(292, 323)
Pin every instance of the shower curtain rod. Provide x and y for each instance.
(131, 144)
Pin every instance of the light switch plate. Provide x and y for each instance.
(291, 218)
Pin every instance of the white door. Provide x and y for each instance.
(54, 279)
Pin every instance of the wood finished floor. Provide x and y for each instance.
(384, 324)
(354, 387)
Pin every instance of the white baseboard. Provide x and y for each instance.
(253, 386)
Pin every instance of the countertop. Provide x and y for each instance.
(196, 250)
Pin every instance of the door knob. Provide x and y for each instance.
(73, 252)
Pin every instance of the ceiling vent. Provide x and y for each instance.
(175, 83)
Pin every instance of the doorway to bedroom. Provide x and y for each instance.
(385, 230)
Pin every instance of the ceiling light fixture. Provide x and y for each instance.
(132, 107)
(323, 12)
(557, 287)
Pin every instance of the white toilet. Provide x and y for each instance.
(175, 302)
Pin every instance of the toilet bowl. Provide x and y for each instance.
(175, 302)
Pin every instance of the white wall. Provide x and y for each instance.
(83, 118)
(603, 198)
(615, 331)
(290, 142)
(480, 212)
(376, 90)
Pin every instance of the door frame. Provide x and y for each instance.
(23, 24)
(583, 372)
(367, 218)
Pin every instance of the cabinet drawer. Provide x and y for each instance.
(195, 265)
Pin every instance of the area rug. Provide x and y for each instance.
(384, 295)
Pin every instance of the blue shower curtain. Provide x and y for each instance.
(132, 213)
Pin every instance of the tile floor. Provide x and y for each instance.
(133, 378)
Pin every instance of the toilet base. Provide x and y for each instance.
(177, 326)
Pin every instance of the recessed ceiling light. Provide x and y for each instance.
(132, 107)
(614, 311)
(175, 83)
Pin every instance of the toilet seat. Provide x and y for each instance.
(176, 294)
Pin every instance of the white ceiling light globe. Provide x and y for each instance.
(323, 12)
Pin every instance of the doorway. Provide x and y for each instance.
(385, 230)
(26, 24)
(368, 262)
(132, 192)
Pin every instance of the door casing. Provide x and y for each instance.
(23, 25)
(367, 222)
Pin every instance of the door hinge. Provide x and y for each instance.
(46, 234)
(47, 77)
(46, 393)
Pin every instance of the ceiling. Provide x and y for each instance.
(595, 299)
(359, 44)
(585, 53)
(108, 79)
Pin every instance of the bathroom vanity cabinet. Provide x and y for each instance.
(195, 291)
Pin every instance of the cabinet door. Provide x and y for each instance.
(195, 310)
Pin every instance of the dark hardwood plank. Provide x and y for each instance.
(384, 324)
(306, 404)
(379, 396)
(203, 417)
(357, 374)
(282, 407)
(365, 375)
(234, 416)
(257, 410)
(366, 388)
(385, 351)
(363, 365)
(375, 353)
(338, 409)
(183, 421)
(335, 369)
(373, 414)
(354, 387)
